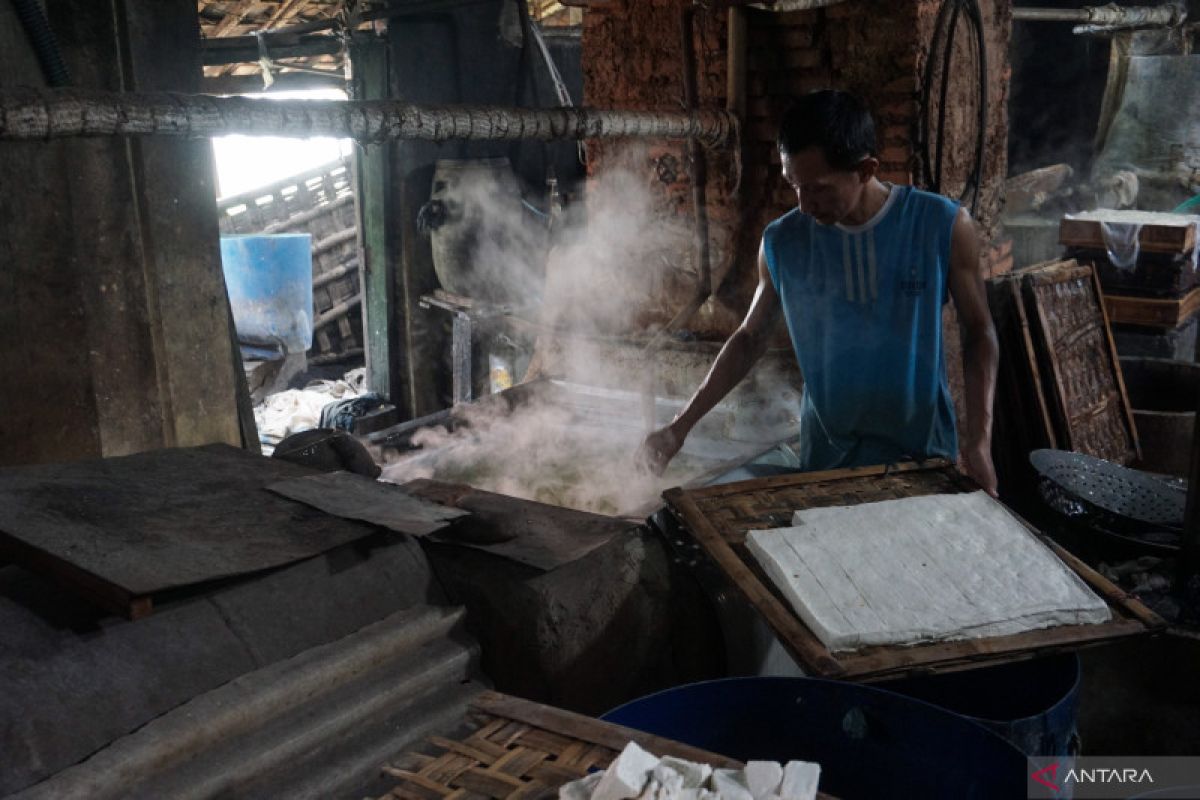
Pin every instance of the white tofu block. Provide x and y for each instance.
(651, 789)
(670, 782)
(763, 778)
(800, 780)
(581, 789)
(920, 569)
(730, 784)
(627, 775)
(694, 775)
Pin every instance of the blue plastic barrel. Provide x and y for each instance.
(870, 743)
(269, 279)
(1033, 704)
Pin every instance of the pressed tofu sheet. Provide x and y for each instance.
(919, 569)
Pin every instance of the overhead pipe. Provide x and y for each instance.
(46, 114)
(1110, 15)
(783, 6)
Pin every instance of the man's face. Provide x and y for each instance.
(825, 194)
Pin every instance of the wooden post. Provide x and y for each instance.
(1120, 48)
(368, 55)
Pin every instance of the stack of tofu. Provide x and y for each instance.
(638, 775)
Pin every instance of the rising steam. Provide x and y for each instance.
(612, 259)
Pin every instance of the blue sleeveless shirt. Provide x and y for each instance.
(863, 306)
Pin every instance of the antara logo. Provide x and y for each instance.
(1045, 775)
(1127, 775)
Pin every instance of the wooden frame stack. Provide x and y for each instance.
(1060, 383)
(1155, 298)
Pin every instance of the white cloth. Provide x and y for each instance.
(297, 410)
(920, 569)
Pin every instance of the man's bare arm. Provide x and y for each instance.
(741, 351)
(981, 352)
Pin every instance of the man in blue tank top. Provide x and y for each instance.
(859, 271)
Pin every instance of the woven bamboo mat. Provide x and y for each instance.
(521, 750)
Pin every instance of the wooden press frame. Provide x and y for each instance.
(1065, 272)
(725, 545)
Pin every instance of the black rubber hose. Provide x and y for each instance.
(45, 43)
(947, 58)
(981, 135)
(944, 32)
(924, 132)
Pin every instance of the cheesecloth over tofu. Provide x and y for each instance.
(918, 569)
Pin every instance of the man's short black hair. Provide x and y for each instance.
(837, 122)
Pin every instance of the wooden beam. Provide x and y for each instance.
(232, 18)
(284, 13)
(316, 45)
(372, 167)
(253, 84)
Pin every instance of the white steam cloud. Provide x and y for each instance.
(619, 260)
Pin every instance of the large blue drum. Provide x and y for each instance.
(1033, 704)
(870, 743)
(269, 279)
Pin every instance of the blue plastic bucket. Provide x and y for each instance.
(870, 743)
(269, 279)
(1033, 704)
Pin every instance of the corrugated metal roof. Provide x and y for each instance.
(318, 724)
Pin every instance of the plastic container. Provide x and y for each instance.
(269, 279)
(870, 743)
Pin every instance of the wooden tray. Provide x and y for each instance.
(1172, 235)
(524, 751)
(1152, 312)
(719, 517)
(1157, 275)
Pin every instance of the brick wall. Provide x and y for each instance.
(876, 48)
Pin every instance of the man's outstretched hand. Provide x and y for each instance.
(976, 461)
(659, 448)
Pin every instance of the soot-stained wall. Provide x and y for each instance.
(113, 310)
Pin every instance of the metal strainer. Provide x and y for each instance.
(1124, 495)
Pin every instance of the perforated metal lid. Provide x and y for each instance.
(1130, 493)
